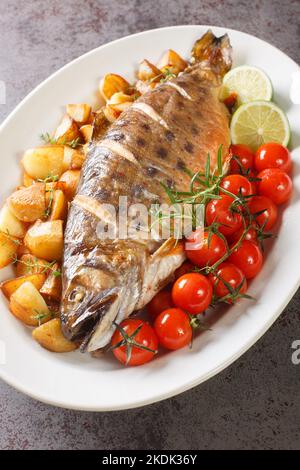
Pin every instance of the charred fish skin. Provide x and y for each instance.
(169, 128)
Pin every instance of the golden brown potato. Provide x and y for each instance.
(28, 204)
(45, 239)
(59, 208)
(51, 337)
(22, 250)
(87, 132)
(73, 159)
(8, 249)
(111, 84)
(11, 285)
(27, 304)
(42, 162)
(67, 131)
(148, 71)
(10, 224)
(30, 264)
(68, 183)
(80, 113)
(172, 62)
(27, 180)
(110, 113)
(52, 286)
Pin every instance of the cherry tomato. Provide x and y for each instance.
(185, 268)
(192, 292)
(251, 235)
(245, 157)
(173, 329)
(248, 257)
(275, 184)
(273, 155)
(220, 210)
(233, 276)
(160, 302)
(204, 250)
(146, 337)
(268, 218)
(237, 184)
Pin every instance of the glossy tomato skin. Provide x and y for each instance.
(204, 250)
(273, 155)
(220, 211)
(173, 329)
(232, 275)
(269, 217)
(250, 235)
(146, 336)
(192, 292)
(245, 157)
(248, 258)
(237, 184)
(161, 301)
(185, 268)
(275, 184)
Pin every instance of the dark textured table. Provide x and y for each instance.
(255, 402)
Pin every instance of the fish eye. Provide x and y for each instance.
(77, 294)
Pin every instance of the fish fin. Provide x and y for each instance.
(213, 52)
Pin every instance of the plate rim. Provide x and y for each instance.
(223, 365)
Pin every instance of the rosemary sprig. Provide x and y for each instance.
(49, 179)
(40, 316)
(42, 268)
(164, 76)
(15, 240)
(48, 139)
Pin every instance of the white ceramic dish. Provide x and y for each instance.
(77, 381)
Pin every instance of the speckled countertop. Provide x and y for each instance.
(255, 402)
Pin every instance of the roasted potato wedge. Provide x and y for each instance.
(28, 204)
(11, 285)
(148, 71)
(51, 337)
(73, 159)
(69, 182)
(42, 162)
(52, 286)
(80, 113)
(27, 180)
(27, 304)
(111, 83)
(22, 250)
(59, 207)
(87, 132)
(30, 264)
(8, 249)
(67, 131)
(111, 114)
(10, 224)
(172, 62)
(45, 239)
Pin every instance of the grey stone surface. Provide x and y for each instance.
(255, 402)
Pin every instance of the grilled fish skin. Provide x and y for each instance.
(171, 127)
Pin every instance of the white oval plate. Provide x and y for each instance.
(75, 380)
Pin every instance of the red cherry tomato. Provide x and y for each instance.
(204, 250)
(160, 302)
(232, 276)
(248, 258)
(237, 184)
(251, 235)
(220, 210)
(268, 218)
(244, 155)
(185, 268)
(273, 155)
(145, 337)
(173, 329)
(275, 184)
(192, 292)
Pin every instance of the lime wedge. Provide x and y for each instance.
(258, 122)
(249, 83)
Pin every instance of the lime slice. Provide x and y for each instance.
(258, 122)
(249, 83)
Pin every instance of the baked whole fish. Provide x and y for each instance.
(170, 127)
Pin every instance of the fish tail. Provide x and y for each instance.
(213, 52)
